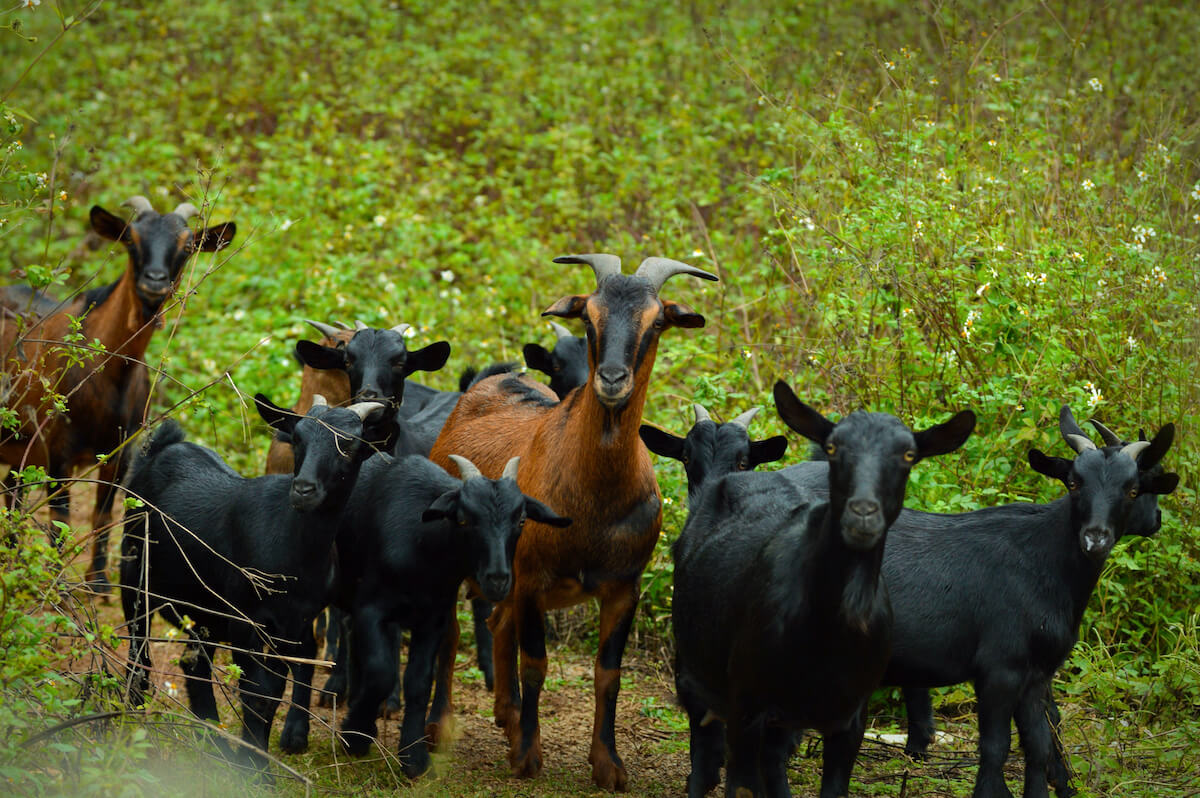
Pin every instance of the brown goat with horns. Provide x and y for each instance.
(583, 457)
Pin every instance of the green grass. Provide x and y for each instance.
(986, 205)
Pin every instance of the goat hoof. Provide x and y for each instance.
(293, 741)
(356, 743)
(415, 761)
(609, 775)
(527, 765)
(440, 733)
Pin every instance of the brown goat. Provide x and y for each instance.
(79, 394)
(583, 457)
(333, 384)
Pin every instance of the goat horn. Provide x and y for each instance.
(510, 469)
(186, 210)
(1079, 443)
(319, 401)
(657, 270)
(560, 331)
(744, 419)
(1069, 428)
(358, 325)
(701, 414)
(327, 330)
(1110, 438)
(466, 469)
(401, 329)
(342, 325)
(1134, 449)
(604, 266)
(364, 409)
(139, 204)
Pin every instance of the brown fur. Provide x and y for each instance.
(334, 385)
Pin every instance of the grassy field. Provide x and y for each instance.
(912, 208)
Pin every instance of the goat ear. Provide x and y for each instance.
(444, 507)
(114, 228)
(680, 315)
(214, 238)
(767, 451)
(276, 416)
(316, 356)
(1160, 484)
(1157, 448)
(539, 512)
(662, 442)
(537, 357)
(430, 358)
(947, 436)
(1053, 467)
(800, 417)
(569, 307)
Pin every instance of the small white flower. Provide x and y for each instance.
(808, 223)
(981, 290)
(999, 247)
(942, 176)
(1076, 256)
(1131, 342)
(1095, 85)
(446, 275)
(1195, 190)
(285, 224)
(31, 3)
(1094, 395)
(991, 142)
(906, 312)
(170, 686)
(1141, 175)
(1087, 184)
(889, 65)
(996, 77)
(933, 81)
(697, 253)
(380, 220)
(1141, 233)
(239, 314)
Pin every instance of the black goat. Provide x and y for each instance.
(566, 365)
(996, 596)
(247, 560)
(781, 622)
(711, 449)
(409, 536)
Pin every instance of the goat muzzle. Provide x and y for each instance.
(613, 385)
(1097, 542)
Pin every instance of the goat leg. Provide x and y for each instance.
(524, 737)
(439, 727)
(617, 607)
(504, 656)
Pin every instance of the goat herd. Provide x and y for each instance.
(382, 499)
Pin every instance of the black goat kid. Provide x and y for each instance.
(410, 535)
(246, 560)
(781, 622)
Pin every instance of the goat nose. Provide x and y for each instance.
(863, 507)
(611, 374)
(303, 488)
(496, 585)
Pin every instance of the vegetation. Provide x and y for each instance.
(912, 208)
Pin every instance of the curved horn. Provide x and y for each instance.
(657, 270)
(1076, 438)
(560, 332)
(510, 469)
(319, 401)
(701, 414)
(139, 204)
(342, 325)
(603, 265)
(358, 325)
(326, 330)
(1135, 448)
(744, 419)
(186, 210)
(401, 329)
(466, 469)
(364, 409)
(1110, 438)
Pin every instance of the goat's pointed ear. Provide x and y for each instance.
(538, 358)
(767, 451)
(569, 307)
(947, 436)
(214, 238)
(680, 315)
(1159, 484)
(316, 356)
(429, 358)
(1053, 467)
(1157, 448)
(277, 417)
(444, 507)
(536, 511)
(800, 417)
(662, 442)
(114, 228)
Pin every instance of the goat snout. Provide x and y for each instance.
(862, 523)
(495, 586)
(1097, 541)
(304, 495)
(613, 383)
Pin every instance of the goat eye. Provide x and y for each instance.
(910, 456)
(685, 459)
(830, 449)
(659, 323)
(1072, 485)
(1133, 493)
(742, 465)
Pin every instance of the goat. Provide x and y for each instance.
(247, 560)
(781, 621)
(333, 384)
(409, 536)
(583, 457)
(1011, 585)
(566, 365)
(711, 449)
(106, 395)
